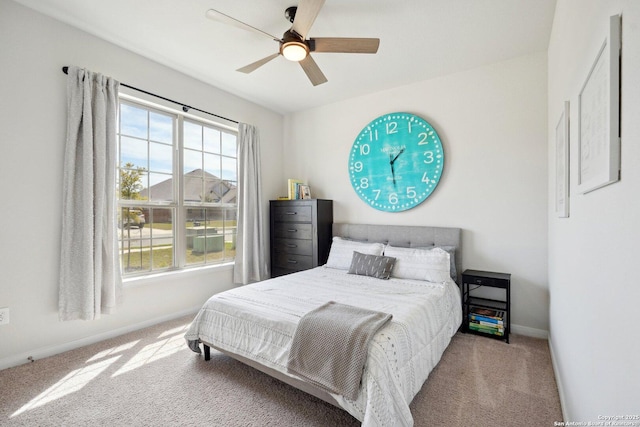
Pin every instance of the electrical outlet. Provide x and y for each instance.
(4, 316)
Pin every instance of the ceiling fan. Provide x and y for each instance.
(294, 44)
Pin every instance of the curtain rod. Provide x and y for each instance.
(185, 107)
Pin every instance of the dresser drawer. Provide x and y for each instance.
(292, 213)
(483, 281)
(292, 231)
(293, 246)
(292, 261)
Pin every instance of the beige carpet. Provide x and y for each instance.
(150, 377)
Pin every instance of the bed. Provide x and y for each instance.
(256, 324)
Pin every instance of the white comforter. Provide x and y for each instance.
(258, 322)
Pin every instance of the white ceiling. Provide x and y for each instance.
(419, 40)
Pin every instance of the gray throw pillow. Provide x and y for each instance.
(377, 266)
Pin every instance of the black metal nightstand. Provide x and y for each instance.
(484, 316)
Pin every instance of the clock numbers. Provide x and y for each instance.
(373, 135)
(377, 194)
(425, 178)
(423, 140)
(358, 166)
(393, 198)
(411, 192)
(409, 126)
(364, 182)
(392, 127)
(365, 149)
(429, 157)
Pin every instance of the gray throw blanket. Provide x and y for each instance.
(330, 346)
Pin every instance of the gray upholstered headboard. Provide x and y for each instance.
(408, 236)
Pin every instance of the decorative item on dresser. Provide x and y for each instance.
(300, 234)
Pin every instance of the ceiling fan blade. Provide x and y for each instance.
(255, 65)
(312, 71)
(226, 19)
(344, 45)
(305, 16)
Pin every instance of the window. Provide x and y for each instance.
(177, 188)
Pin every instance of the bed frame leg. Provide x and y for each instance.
(207, 352)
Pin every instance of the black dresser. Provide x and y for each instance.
(300, 234)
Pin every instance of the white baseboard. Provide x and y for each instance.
(530, 332)
(40, 353)
(556, 371)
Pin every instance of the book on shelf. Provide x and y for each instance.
(294, 190)
(487, 313)
(487, 324)
(486, 329)
(486, 319)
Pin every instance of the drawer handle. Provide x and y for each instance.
(292, 261)
(292, 230)
(290, 245)
(292, 213)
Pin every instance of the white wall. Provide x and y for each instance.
(492, 121)
(32, 134)
(592, 254)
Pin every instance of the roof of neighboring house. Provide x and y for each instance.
(215, 189)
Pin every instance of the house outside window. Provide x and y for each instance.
(177, 190)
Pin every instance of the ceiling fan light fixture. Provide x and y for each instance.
(294, 51)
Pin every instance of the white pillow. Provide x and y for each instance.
(341, 252)
(419, 264)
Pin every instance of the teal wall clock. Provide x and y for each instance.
(396, 162)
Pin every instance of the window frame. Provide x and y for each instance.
(177, 205)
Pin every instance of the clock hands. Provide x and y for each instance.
(393, 173)
(392, 160)
(396, 157)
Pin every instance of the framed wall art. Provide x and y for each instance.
(599, 116)
(562, 163)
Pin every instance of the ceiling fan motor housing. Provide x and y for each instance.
(290, 13)
(293, 42)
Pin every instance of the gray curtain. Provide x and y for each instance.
(251, 245)
(90, 281)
